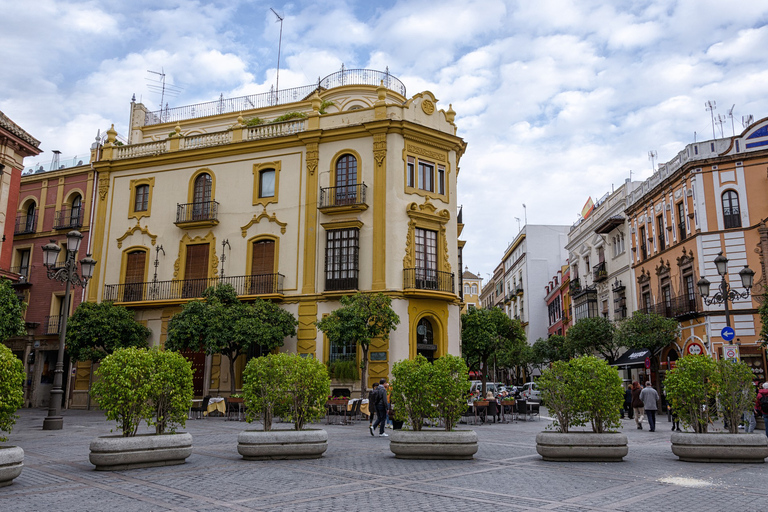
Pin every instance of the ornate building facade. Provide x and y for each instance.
(299, 197)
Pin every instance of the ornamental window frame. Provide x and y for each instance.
(134, 185)
(427, 171)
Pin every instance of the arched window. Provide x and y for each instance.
(467, 289)
(135, 265)
(29, 224)
(731, 211)
(201, 198)
(474, 289)
(346, 180)
(76, 212)
(425, 339)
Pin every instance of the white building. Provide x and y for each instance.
(530, 261)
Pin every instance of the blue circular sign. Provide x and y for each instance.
(728, 333)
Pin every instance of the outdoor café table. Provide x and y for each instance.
(338, 405)
(195, 402)
(363, 406)
(480, 404)
(507, 405)
(238, 405)
(216, 404)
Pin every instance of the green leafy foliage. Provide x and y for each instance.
(222, 324)
(549, 350)
(590, 335)
(763, 312)
(11, 312)
(97, 330)
(324, 105)
(361, 318)
(172, 390)
(736, 393)
(584, 390)
(11, 389)
(253, 121)
(690, 386)
(411, 391)
(488, 333)
(137, 384)
(647, 330)
(288, 116)
(285, 385)
(450, 387)
(344, 370)
(123, 388)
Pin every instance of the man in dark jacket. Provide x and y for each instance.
(758, 406)
(381, 407)
(371, 407)
(628, 402)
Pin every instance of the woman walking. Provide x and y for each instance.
(637, 404)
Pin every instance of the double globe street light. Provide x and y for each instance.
(724, 292)
(67, 274)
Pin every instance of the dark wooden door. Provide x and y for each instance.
(134, 276)
(263, 279)
(196, 270)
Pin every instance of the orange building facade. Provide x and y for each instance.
(710, 198)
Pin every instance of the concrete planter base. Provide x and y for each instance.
(433, 444)
(282, 444)
(720, 447)
(582, 446)
(112, 453)
(11, 464)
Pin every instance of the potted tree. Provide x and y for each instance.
(692, 386)
(579, 392)
(438, 392)
(294, 388)
(136, 385)
(11, 398)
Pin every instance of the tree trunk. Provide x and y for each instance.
(364, 373)
(483, 378)
(232, 359)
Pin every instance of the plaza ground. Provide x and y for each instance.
(358, 472)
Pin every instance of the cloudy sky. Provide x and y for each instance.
(559, 100)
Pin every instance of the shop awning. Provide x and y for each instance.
(633, 357)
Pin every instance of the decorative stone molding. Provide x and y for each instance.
(131, 231)
(685, 259)
(662, 268)
(263, 215)
(313, 156)
(644, 277)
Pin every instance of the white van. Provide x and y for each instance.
(531, 390)
(477, 385)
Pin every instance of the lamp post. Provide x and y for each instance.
(724, 292)
(67, 275)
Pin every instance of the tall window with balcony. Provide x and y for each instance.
(22, 258)
(76, 212)
(25, 223)
(681, 221)
(135, 265)
(660, 232)
(731, 211)
(263, 278)
(643, 246)
(346, 180)
(342, 259)
(196, 270)
(426, 259)
(201, 199)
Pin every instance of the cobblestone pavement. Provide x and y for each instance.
(358, 472)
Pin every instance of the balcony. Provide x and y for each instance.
(25, 224)
(333, 284)
(643, 252)
(662, 243)
(197, 215)
(52, 324)
(599, 273)
(575, 286)
(680, 308)
(68, 218)
(428, 279)
(344, 199)
(681, 230)
(519, 289)
(262, 284)
(22, 270)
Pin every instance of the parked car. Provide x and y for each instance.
(530, 391)
(477, 385)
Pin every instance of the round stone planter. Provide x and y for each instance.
(433, 444)
(112, 453)
(11, 464)
(720, 447)
(282, 444)
(582, 446)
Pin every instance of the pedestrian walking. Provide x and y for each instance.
(628, 401)
(381, 408)
(371, 406)
(650, 398)
(761, 404)
(637, 404)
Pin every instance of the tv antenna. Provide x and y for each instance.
(730, 114)
(652, 157)
(710, 106)
(279, 48)
(747, 120)
(518, 224)
(162, 87)
(721, 120)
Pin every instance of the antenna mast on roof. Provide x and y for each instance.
(721, 120)
(747, 120)
(160, 86)
(710, 106)
(279, 48)
(730, 114)
(652, 157)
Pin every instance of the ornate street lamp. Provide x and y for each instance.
(66, 274)
(724, 292)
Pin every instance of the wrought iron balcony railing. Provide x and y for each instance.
(22, 270)
(68, 218)
(676, 307)
(52, 324)
(428, 279)
(25, 224)
(599, 272)
(346, 195)
(197, 212)
(260, 284)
